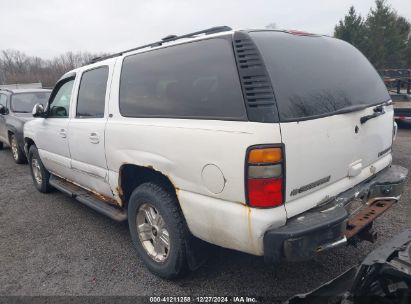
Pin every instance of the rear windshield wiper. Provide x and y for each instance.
(378, 111)
(352, 108)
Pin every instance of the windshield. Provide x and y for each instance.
(24, 102)
(315, 76)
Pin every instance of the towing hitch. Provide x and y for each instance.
(361, 224)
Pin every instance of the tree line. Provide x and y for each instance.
(383, 36)
(17, 67)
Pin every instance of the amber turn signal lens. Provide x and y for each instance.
(266, 155)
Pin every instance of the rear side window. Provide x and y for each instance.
(316, 76)
(192, 80)
(92, 93)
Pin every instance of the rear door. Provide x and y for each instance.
(325, 90)
(87, 130)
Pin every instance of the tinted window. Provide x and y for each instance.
(24, 102)
(60, 105)
(92, 93)
(197, 80)
(3, 100)
(314, 76)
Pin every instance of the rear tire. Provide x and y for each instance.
(155, 220)
(18, 154)
(39, 173)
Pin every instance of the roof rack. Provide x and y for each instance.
(169, 38)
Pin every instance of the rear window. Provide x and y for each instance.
(316, 76)
(192, 80)
(25, 102)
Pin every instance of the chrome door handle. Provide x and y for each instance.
(94, 138)
(63, 133)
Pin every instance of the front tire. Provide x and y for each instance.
(158, 230)
(39, 173)
(17, 153)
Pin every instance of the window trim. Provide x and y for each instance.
(228, 38)
(53, 94)
(105, 95)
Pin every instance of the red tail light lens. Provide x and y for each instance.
(264, 174)
(265, 193)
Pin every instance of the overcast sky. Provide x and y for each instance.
(47, 28)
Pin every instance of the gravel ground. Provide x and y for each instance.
(53, 245)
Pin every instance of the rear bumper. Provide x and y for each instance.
(332, 224)
(401, 114)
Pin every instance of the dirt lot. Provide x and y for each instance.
(53, 245)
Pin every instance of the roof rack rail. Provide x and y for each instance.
(169, 38)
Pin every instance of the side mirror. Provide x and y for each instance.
(38, 110)
(3, 110)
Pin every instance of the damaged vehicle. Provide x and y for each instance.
(219, 136)
(383, 277)
(15, 109)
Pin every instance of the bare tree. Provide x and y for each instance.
(17, 67)
(271, 26)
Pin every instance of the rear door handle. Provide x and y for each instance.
(94, 138)
(63, 133)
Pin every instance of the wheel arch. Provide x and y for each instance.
(131, 176)
(28, 142)
(10, 131)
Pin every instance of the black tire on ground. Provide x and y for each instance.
(18, 154)
(166, 204)
(42, 183)
(1, 145)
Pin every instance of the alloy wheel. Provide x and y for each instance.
(153, 233)
(14, 147)
(36, 170)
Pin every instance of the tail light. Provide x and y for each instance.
(265, 176)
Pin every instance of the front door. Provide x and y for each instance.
(3, 130)
(52, 141)
(86, 131)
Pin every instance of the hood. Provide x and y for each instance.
(24, 116)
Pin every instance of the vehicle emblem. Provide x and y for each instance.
(311, 185)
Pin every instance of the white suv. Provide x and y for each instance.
(260, 141)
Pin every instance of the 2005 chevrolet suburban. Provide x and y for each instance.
(248, 140)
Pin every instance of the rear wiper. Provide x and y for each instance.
(378, 111)
(352, 108)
